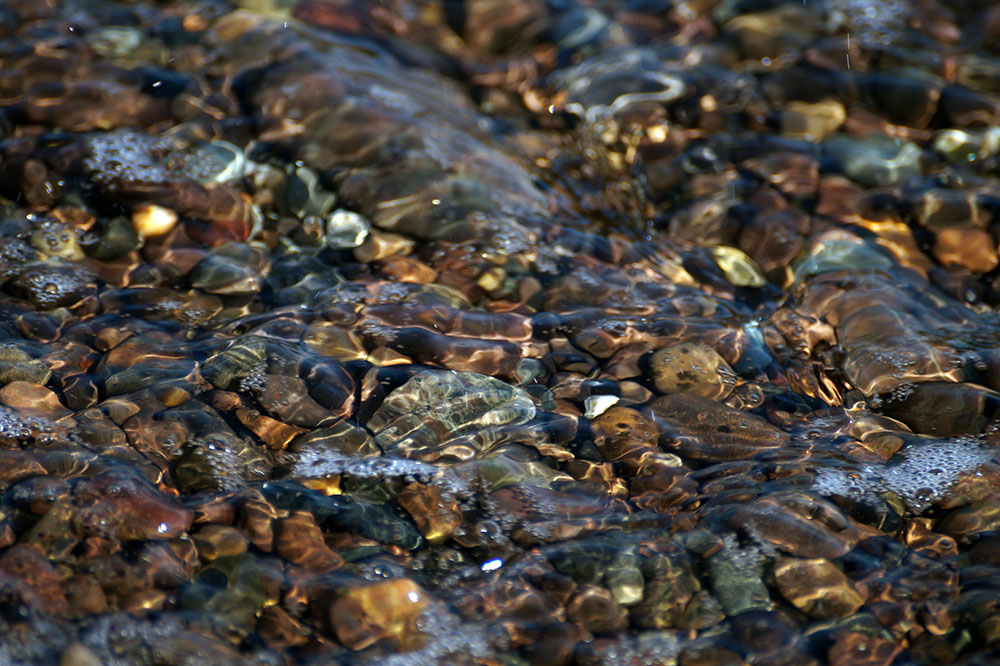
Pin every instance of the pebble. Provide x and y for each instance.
(151, 220)
(78, 654)
(692, 368)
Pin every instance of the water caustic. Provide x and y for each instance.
(499, 332)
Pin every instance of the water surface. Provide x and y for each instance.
(476, 332)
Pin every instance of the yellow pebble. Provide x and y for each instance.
(152, 220)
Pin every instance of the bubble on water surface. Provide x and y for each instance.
(870, 24)
(125, 156)
(448, 639)
(647, 649)
(14, 425)
(921, 474)
(313, 463)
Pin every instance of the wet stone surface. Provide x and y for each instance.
(529, 333)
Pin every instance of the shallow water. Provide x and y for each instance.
(523, 332)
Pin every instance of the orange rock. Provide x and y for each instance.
(300, 540)
(853, 648)
(436, 517)
(817, 587)
(25, 395)
(272, 432)
(386, 610)
(216, 541)
(967, 247)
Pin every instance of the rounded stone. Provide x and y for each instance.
(387, 610)
(595, 609)
(151, 220)
(691, 367)
(966, 247)
(817, 587)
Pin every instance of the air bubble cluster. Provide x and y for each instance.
(921, 475)
(322, 463)
(15, 426)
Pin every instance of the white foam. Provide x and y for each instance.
(921, 474)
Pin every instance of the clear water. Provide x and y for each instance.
(499, 333)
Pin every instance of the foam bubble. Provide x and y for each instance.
(448, 639)
(14, 425)
(646, 649)
(321, 463)
(921, 474)
(125, 157)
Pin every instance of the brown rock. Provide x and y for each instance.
(299, 540)
(691, 367)
(256, 519)
(27, 395)
(85, 595)
(700, 428)
(216, 541)
(595, 609)
(794, 174)
(407, 269)
(946, 408)
(281, 630)
(124, 506)
(967, 247)
(811, 122)
(853, 648)
(288, 400)
(709, 655)
(625, 436)
(436, 516)
(272, 432)
(78, 654)
(986, 551)
(16, 465)
(334, 341)
(381, 245)
(967, 522)
(817, 587)
(798, 524)
(30, 567)
(388, 610)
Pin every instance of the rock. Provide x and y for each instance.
(32, 397)
(974, 249)
(811, 122)
(691, 367)
(77, 654)
(299, 540)
(216, 541)
(151, 220)
(381, 611)
(700, 428)
(817, 587)
(595, 610)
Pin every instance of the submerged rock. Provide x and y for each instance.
(449, 415)
(700, 428)
(692, 368)
(498, 332)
